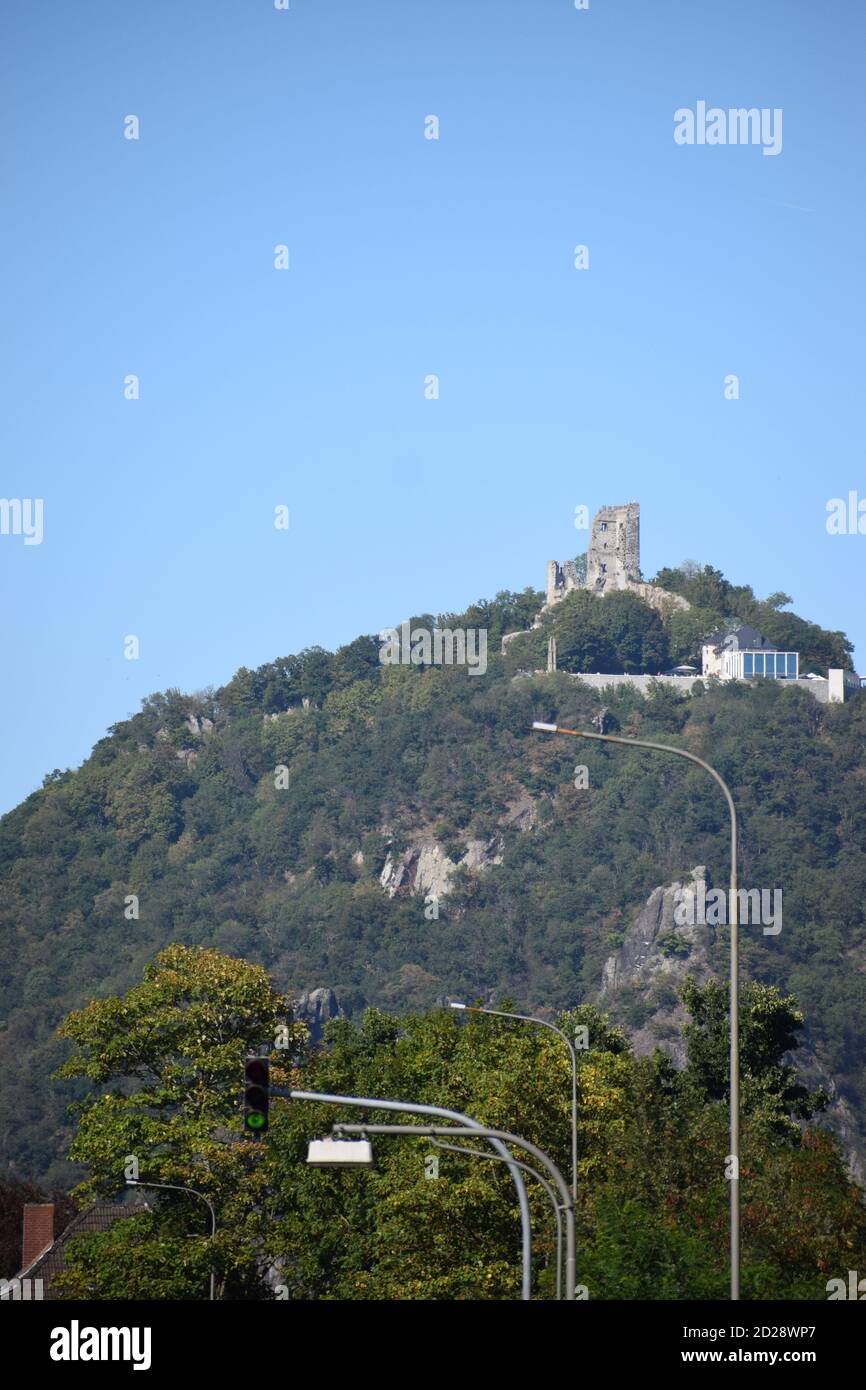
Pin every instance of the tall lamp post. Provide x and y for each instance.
(734, 1065)
(500, 1136)
(174, 1187)
(533, 1172)
(407, 1108)
(542, 1023)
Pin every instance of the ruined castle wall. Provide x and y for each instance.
(612, 563)
(613, 557)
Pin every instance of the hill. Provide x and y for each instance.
(396, 833)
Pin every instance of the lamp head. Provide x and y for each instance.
(340, 1153)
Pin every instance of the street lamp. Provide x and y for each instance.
(542, 1023)
(358, 1153)
(502, 1136)
(734, 1063)
(174, 1187)
(340, 1153)
(533, 1172)
(407, 1108)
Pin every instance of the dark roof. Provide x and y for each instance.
(738, 639)
(98, 1217)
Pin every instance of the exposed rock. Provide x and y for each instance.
(315, 1008)
(838, 1117)
(661, 599)
(292, 878)
(522, 813)
(657, 951)
(197, 726)
(658, 954)
(480, 854)
(426, 869)
(433, 869)
(641, 957)
(392, 875)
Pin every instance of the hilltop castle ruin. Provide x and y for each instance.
(612, 562)
(613, 566)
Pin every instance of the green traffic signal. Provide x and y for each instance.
(256, 1094)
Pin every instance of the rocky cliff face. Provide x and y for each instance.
(315, 1008)
(645, 975)
(425, 867)
(640, 988)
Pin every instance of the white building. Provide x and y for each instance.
(741, 654)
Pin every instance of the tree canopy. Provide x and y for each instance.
(427, 1222)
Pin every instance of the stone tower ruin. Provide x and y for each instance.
(613, 557)
(612, 563)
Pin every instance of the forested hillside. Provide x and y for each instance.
(257, 819)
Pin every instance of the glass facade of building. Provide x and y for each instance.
(776, 665)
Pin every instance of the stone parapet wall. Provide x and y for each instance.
(818, 689)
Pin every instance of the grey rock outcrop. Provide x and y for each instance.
(425, 868)
(651, 966)
(315, 1008)
(198, 726)
(657, 951)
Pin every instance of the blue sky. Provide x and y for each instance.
(408, 257)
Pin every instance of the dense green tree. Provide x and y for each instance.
(634, 631)
(767, 1033)
(688, 630)
(707, 589)
(427, 1222)
(507, 612)
(581, 642)
(165, 1064)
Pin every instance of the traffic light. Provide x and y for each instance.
(256, 1095)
